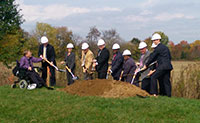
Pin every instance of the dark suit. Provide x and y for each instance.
(162, 55)
(70, 62)
(117, 64)
(50, 55)
(102, 60)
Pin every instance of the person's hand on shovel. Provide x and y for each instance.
(109, 71)
(29, 68)
(151, 72)
(62, 62)
(84, 69)
(144, 68)
(51, 63)
(41, 57)
(137, 64)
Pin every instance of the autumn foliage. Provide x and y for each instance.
(185, 50)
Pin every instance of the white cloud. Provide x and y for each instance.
(136, 18)
(149, 3)
(146, 12)
(109, 9)
(56, 11)
(168, 16)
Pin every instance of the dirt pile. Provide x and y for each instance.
(104, 88)
(6, 75)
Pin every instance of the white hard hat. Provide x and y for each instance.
(155, 36)
(142, 45)
(100, 42)
(115, 46)
(126, 53)
(84, 46)
(44, 39)
(32, 86)
(153, 45)
(70, 45)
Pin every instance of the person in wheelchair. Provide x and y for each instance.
(26, 62)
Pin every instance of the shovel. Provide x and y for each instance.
(120, 78)
(107, 75)
(60, 70)
(136, 71)
(142, 70)
(73, 76)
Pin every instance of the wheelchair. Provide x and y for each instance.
(23, 79)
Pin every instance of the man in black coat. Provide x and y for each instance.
(117, 62)
(162, 55)
(102, 60)
(47, 51)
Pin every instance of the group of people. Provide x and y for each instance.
(153, 67)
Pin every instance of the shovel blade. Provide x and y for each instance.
(60, 70)
(75, 78)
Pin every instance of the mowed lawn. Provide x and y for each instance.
(42, 105)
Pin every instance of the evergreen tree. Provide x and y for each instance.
(11, 35)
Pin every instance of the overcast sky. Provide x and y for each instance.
(179, 19)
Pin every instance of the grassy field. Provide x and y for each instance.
(178, 66)
(42, 105)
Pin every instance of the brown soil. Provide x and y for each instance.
(6, 75)
(104, 88)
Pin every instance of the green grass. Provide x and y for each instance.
(42, 105)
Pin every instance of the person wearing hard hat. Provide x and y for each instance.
(70, 62)
(101, 62)
(143, 60)
(47, 51)
(129, 67)
(87, 61)
(162, 55)
(117, 62)
(153, 46)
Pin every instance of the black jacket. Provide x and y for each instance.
(70, 60)
(162, 55)
(102, 60)
(50, 52)
(117, 64)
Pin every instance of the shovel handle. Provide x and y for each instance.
(68, 69)
(120, 78)
(133, 79)
(70, 72)
(50, 63)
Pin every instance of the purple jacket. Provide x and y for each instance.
(25, 62)
(129, 69)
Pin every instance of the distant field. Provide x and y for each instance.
(178, 66)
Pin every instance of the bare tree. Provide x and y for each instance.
(111, 36)
(92, 38)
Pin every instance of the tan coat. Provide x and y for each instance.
(87, 60)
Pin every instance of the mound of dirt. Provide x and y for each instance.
(104, 88)
(6, 75)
